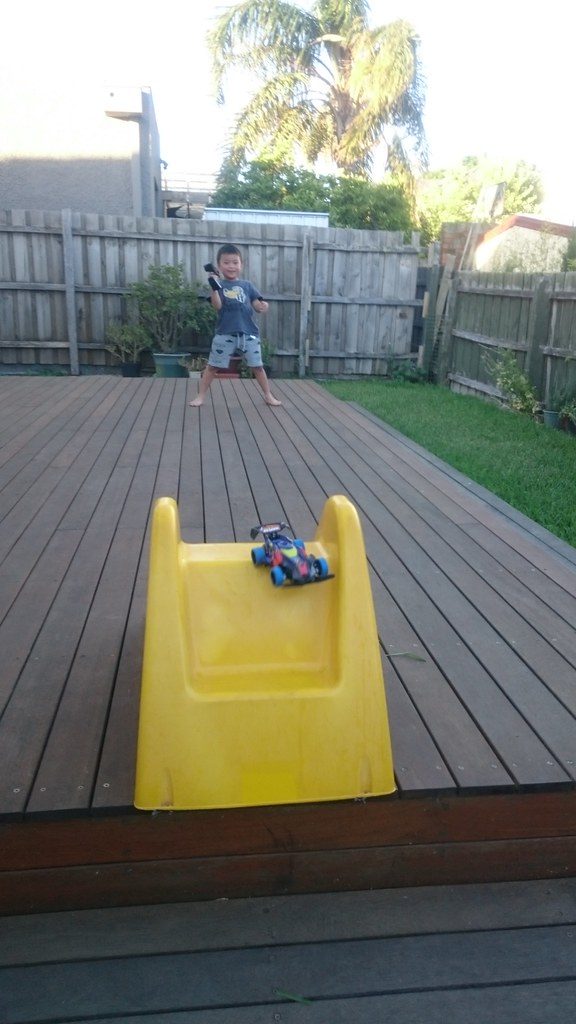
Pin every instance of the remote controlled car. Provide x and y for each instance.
(287, 556)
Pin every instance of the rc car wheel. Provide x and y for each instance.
(321, 567)
(277, 576)
(258, 556)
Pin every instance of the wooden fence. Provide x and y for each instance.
(532, 315)
(342, 301)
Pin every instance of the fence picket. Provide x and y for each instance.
(63, 279)
(533, 315)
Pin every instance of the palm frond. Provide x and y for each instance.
(331, 84)
(281, 30)
(283, 109)
(321, 138)
(384, 66)
(340, 15)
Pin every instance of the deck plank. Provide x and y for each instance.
(527, 1003)
(459, 627)
(81, 436)
(67, 508)
(476, 614)
(218, 525)
(35, 522)
(483, 952)
(22, 473)
(274, 921)
(499, 645)
(540, 547)
(556, 610)
(190, 490)
(40, 412)
(423, 768)
(83, 524)
(114, 785)
(527, 527)
(468, 505)
(314, 971)
(83, 707)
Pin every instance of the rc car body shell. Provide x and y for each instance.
(286, 556)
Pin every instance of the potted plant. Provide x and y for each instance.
(516, 390)
(167, 307)
(567, 415)
(554, 401)
(194, 365)
(126, 342)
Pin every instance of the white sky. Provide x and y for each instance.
(500, 75)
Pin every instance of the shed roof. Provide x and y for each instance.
(525, 220)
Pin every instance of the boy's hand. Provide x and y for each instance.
(214, 284)
(260, 305)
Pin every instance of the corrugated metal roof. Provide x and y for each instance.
(319, 220)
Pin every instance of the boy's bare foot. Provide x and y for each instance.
(273, 401)
(197, 401)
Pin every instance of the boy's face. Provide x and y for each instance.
(230, 266)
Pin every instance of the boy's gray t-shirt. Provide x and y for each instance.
(236, 317)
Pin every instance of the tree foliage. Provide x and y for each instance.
(331, 86)
(451, 194)
(350, 202)
(569, 262)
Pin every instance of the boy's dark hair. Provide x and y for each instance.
(228, 250)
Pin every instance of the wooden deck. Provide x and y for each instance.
(491, 953)
(476, 609)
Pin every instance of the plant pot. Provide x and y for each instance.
(551, 418)
(233, 368)
(169, 364)
(131, 369)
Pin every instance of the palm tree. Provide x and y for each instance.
(331, 85)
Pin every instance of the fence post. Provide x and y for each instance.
(70, 290)
(305, 301)
(442, 355)
(537, 335)
(429, 316)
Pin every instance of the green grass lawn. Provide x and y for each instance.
(528, 465)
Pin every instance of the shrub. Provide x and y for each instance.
(517, 390)
(167, 306)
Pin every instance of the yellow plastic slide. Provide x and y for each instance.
(254, 694)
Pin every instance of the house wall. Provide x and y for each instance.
(60, 149)
(456, 239)
(522, 249)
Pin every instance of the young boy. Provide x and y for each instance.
(236, 332)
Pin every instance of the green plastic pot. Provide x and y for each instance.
(551, 418)
(169, 364)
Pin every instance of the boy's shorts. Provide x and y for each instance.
(224, 346)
